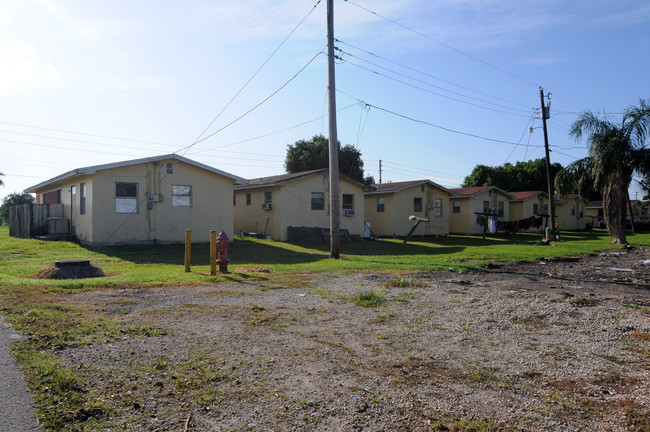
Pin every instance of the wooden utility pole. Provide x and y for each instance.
(335, 242)
(551, 201)
(379, 171)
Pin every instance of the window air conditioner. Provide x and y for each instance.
(266, 206)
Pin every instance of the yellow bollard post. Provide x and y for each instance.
(188, 250)
(213, 253)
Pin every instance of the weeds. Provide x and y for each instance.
(615, 321)
(370, 298)
(400, 282)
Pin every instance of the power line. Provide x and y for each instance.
(254, 108)
(429, 123)
(432, 76)
(272, 133)
(412, 168)
(427, 83)
(85, 134)
(444, 44)
(198, 139)
(83, 141)
(432, 92)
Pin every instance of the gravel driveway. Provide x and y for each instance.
(555, 345)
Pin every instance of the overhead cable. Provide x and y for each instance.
(429, 84)
(444, 44)
(429, 123)
(198, 139)
(431, 76)
(254, 108)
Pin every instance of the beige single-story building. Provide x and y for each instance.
(469, 205)
(268, 206)
(388, 207)
(150, 200)
(527, 205)
(570, 213)
(594, 212)
(640, 210)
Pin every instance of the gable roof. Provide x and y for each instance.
(282, 179)
(520, 196)
(398, 186)
(469, 192)
(93, 169)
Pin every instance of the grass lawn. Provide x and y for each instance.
(34, 307)
(162, 265)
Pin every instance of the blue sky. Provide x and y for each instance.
(430, 88)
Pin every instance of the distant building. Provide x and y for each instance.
(468, 203)
(388, 207)
(268, 206)
(149, 200)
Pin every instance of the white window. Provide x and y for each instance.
(182, 196)
(126, 197)
(82, 198)
(535, 208)
(437, 207)
(500, 209)
(456, 206)
(380, 204)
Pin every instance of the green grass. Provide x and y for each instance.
(162, 265)
(34, 308)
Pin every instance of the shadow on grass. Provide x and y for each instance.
(240, 252)
(267, 252)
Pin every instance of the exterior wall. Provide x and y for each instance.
(398, 206)
(292, 207)
(252, 218)
(381, 223)
(525, 208)
(465, 222)
(568, 222)
(459, 222)
(640, 212)
(211, 205)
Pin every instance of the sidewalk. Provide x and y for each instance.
(17, 407)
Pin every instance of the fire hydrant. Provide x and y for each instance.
(222, 247)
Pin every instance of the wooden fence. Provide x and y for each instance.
(27, 220)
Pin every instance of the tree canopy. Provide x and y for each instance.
(616, 151)
(522, 176)
(12, 200)
(306, 155)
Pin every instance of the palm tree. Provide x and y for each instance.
(616, 151)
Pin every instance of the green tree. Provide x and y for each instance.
(616, 151)
(306, 155)
(1, 182)
(522, 176)
(12, 200)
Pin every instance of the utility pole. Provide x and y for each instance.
(335, 241)
(546, 113)
(379, 171)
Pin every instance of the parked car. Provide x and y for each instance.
(602, 224)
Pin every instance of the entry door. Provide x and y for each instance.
(73, 209)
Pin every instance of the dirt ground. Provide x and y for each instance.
(554, 345)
